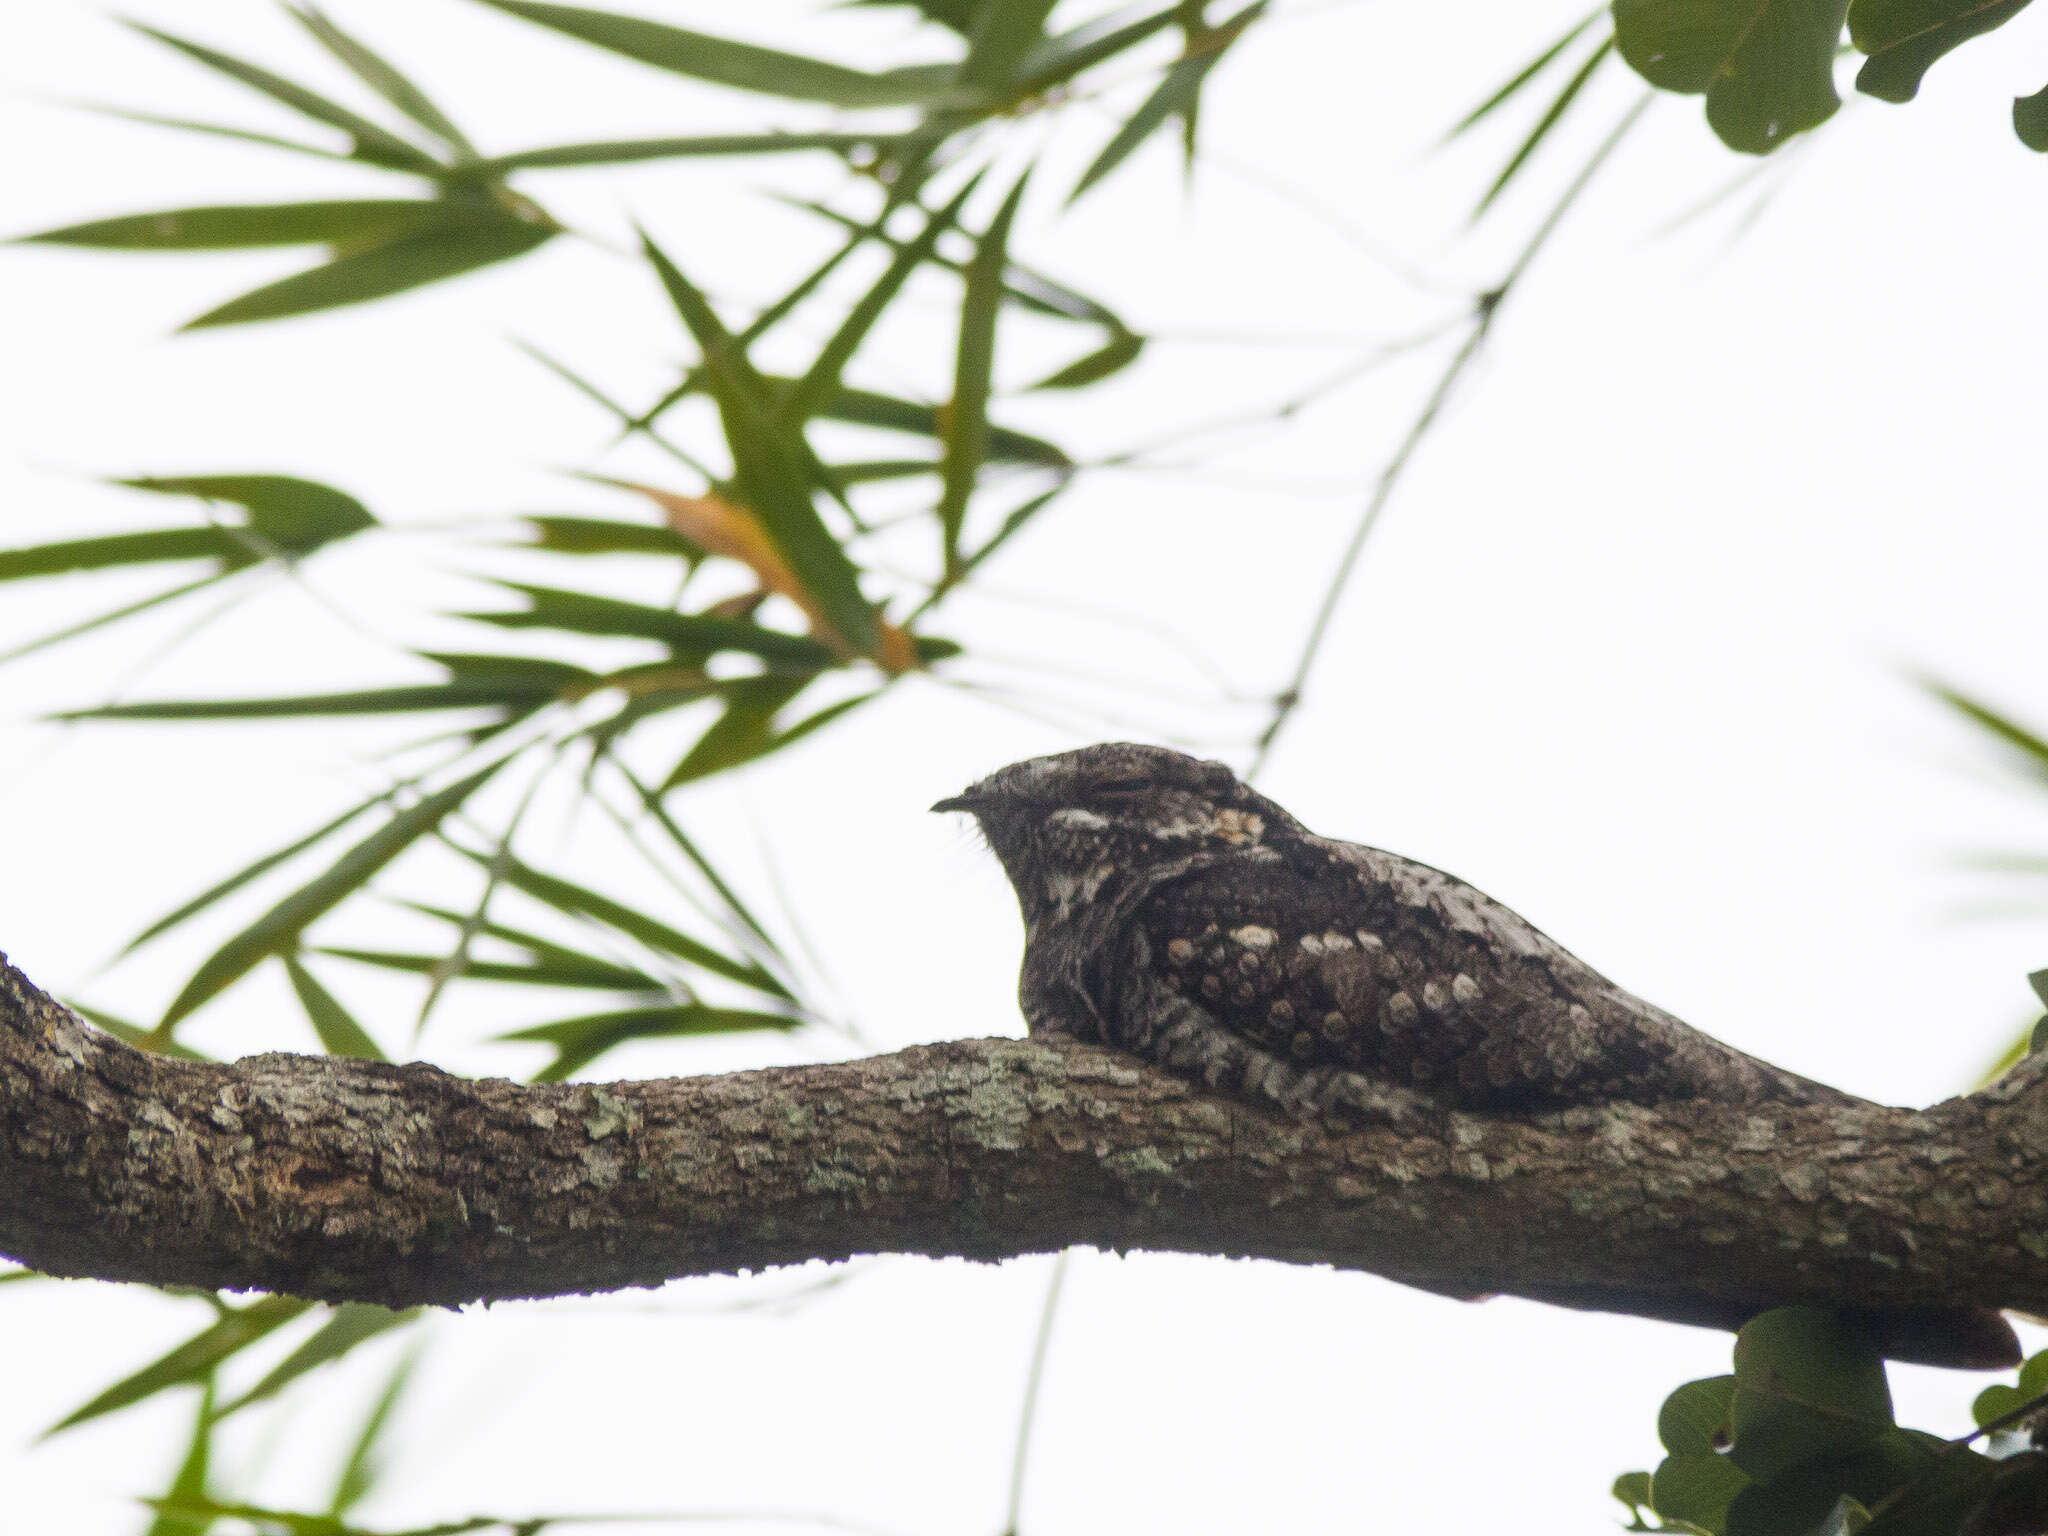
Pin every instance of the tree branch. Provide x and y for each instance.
(347, 1180)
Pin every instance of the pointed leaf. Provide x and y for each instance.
(1004, 32)
(1766, 66)
(255, 871)
(2030, 745)
(892, 413)
(602, 536)
(350, 1324)
(743, 66)
(799, 404)
(248, 225)
(373, 272)
(628, 151)
(747, 730)
(142, 1039)
(359, 1469)
(966, 439)
(1176, 95)
(370, 701)
(188, 1484)
(191, 1360)
(580, 1041)
(597, 975)
(296, 516)
(1113, 356)
(544, 953)
(1905, 37)
(1522, 77)
(373, 143)
(382, 77)
(695, 634)
(773, 472)
(213, 130)
(579, 901)
(124, 549)
(278, 929)
(1549, 120)
(340, 1034)
(1059, 59)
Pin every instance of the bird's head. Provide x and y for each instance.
(1063, 825)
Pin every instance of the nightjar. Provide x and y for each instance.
(1173, 911)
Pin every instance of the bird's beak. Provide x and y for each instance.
(964, 801)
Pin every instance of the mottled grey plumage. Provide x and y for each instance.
(1173, 911)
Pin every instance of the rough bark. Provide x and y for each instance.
(345, 1180)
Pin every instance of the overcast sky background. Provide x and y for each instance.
(1631, 651)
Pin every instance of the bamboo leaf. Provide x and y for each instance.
(188, 1484)
(966, 436)
(142, 1039)
(1113, 356)
(629, 151)
(602, 536)
(800, 403)
(596, 975)
(99, 554)
(340, 1034)
(359, 1469)
(747, 731)
(278, 929)
(773, 469)
(350, 1324)
(1522, 77)
(382, 77)
(246, 226)
(373, 143)
(574, 900)
(410, 261)
(545, 953)
(293, 516)
(191, 1360)
(696, 635)
(1059, 59)
(1545, 123)
(580, 1041)
(369, 701)
(1175, 96)
(742, 66)
(1004, 32)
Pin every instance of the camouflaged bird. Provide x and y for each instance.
(1173, 911)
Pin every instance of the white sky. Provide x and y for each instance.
(1629, 652)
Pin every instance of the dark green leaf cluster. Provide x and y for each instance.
(1801, 1441)
(1767, 67)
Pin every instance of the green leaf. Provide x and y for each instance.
(278, 929)
(2034, 1374)
(294, 516)
(373, 272)
(1521, 78)
(580, 1041)
(350, 1324)
(1696, 1486)
(821, 381)
(1995, 1402)
(2030, 120)
(773, 467)
(370, 701)
(966, 436)
(1805, 1386)
(1113, 356)
(603, 536)
(1176, 95)
(1767, 66)
(579, 901)
(891, 413)
(1632, 1489)
(373, 143)
(214, 130)
(629, 151)
(1004, 32)
(192, 1360)
(743, 66)
(695, 635)
(359, 1469)
(2031, 747)
(340, 1034)
(382, 77)
(1552, 115)
(135, 1035)
(125, 549)
(1695, 1419)
(255, 871)
(1059, 59)
(188, 1484)
(1922, 1491)
(1905, 37)
(556, 971)
(247, 225)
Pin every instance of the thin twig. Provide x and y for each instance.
(1484, 310)
(1027, 1419)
